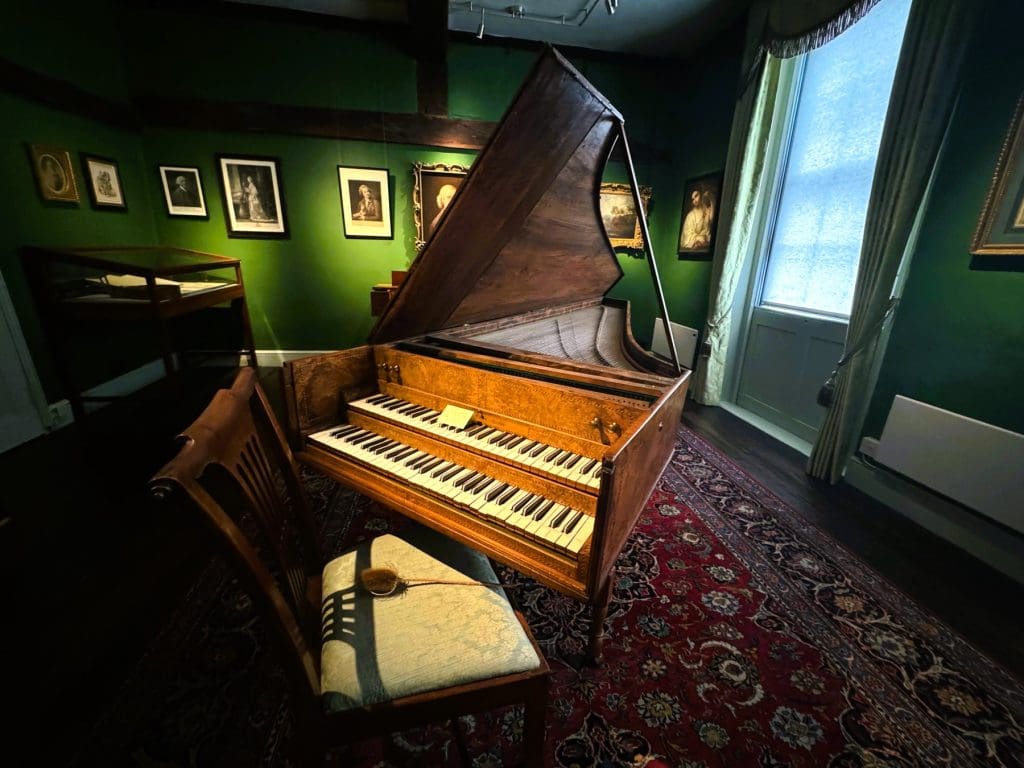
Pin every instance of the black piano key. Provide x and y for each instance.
(558, 519)
(428, 466)
(528, 446)
(496, 492)
(363, 438)
(523, 502)
(347, 429)
(498, 437)
(387, 446)
(544, 508)
(439, 470)
(512, 491)
(447, 476)
(538, 450)
(480, 487)
(470, 477)
(515, 442)
(571, 525)
(563, 457)
(573, 461)
(414, 457)
(530, 508)
(590, 465)
(377, 399)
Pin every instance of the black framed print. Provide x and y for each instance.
(183, 191)
(103, 181)
(253, 203)
(365, 202)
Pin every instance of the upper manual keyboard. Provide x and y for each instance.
(565, 465)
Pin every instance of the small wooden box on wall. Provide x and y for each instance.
(381, 293)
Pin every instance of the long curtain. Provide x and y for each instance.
(782, 28)
(920, 109)
(744, 169)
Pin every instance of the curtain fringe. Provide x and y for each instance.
(786, 47)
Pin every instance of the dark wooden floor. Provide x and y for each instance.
(91, 570)
(977, 601)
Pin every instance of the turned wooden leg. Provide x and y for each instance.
(598, 613)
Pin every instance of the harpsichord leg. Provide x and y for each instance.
(598, 613)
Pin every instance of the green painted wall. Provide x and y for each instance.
(311, 290)
(958, 338)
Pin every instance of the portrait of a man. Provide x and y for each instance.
(365, 201)
(183, 190)
(434, 188)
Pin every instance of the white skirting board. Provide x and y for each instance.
(976, 464)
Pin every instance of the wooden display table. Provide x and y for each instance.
(125, 285)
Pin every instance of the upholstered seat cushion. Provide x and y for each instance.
(380, 648)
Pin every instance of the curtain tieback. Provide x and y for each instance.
(828, 389)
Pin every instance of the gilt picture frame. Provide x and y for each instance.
(1000, 230)
(54, 175)
(434, 187)
(365, 202)
(253, 202)
(103, 180)
(619, 216)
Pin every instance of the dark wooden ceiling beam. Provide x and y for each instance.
(318, 122)
(428, 30)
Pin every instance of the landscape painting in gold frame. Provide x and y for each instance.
(1000, 230)
(618, 214)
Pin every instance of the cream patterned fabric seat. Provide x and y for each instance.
(434, 636)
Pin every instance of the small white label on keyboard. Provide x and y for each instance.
(455, 417)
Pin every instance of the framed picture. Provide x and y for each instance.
(103, 182)
(1000, 230)
(253, 204)
(433, 188)
(618, 213)
(52, 167)
(365, 202)
(699, 216)
(183, 190)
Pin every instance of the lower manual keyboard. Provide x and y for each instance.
(531, 515)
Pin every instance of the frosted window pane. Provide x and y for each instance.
(815, 246)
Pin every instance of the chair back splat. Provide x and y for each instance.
(349, 681)
(235, 466)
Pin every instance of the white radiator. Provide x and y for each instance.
(976, 464)
(685, 339)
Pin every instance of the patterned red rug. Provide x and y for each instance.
(738, 635)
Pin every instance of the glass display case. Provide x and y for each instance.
(128, 285)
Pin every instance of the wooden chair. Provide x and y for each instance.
(359, 665)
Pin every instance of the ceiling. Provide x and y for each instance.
(670, 28)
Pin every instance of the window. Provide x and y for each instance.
(815, 240)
